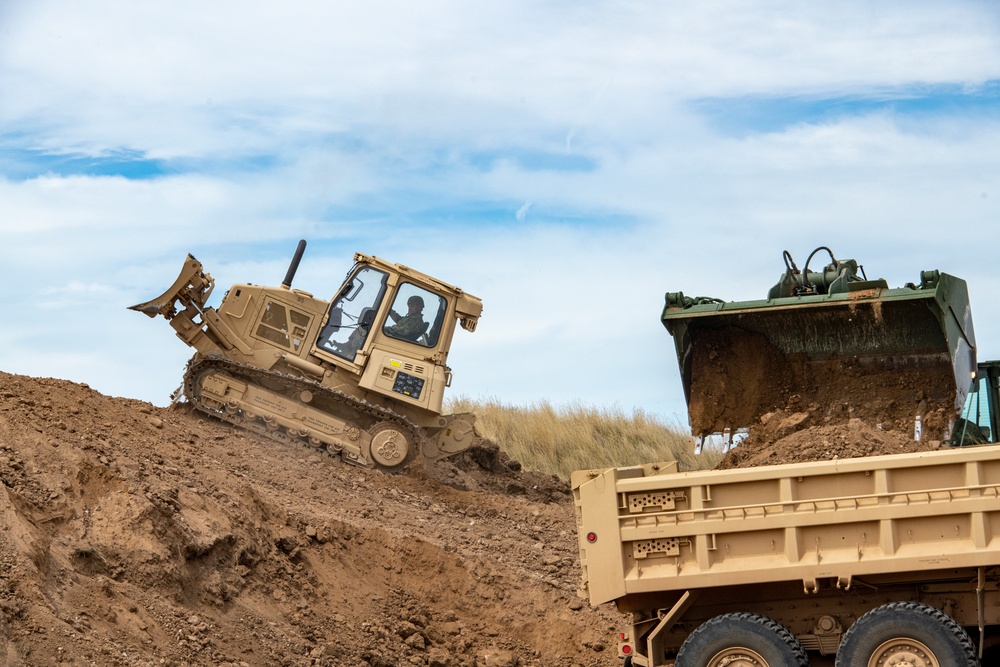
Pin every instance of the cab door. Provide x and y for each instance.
(354, 313)
(977, 424)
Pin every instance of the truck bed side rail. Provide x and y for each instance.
(645, 531)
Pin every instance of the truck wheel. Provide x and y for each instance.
(906, 633)
(391, 447)
(741, 639)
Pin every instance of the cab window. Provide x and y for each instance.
(282, 325)
(416, 315)
(353, 312)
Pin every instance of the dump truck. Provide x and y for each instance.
(859, 562)
(362, 375)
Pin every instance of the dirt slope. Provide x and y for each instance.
(132, 535)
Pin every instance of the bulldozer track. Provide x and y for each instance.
(290, 386)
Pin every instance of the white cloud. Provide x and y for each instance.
(189, 78)
(410, 130)
(522, 212)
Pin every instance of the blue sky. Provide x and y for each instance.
(566, 162)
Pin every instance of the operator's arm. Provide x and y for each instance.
(407, 327)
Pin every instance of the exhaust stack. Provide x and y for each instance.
(294, 266)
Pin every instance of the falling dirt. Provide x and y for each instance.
(139, 536)
(736, 376)
(798, 408)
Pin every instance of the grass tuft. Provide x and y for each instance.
(559, 440)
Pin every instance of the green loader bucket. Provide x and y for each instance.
(896, 358)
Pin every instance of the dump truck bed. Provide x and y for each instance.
(824, 523)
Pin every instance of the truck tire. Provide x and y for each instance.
(741, 638)
(906, 633)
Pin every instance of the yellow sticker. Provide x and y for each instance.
(395, 363)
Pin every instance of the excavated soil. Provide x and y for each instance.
(799, 409)
(139, 536)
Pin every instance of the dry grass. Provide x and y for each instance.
(558, 441)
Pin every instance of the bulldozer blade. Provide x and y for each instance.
(895, 353)
(193, 286)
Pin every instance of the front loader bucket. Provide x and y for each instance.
(897, 358)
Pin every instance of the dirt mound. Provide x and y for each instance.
(141, 536)
(818, 443)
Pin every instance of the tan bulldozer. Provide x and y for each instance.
(362, 375)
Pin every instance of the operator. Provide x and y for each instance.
(411, 325)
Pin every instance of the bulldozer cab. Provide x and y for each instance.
(415, 314)
(391, 306)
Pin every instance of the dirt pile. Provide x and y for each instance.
(772, 445)
(139, 536)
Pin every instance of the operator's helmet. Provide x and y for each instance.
(415, 301)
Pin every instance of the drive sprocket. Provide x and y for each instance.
(301, 411)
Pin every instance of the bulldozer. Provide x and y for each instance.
(834, 344)
(362, 375)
